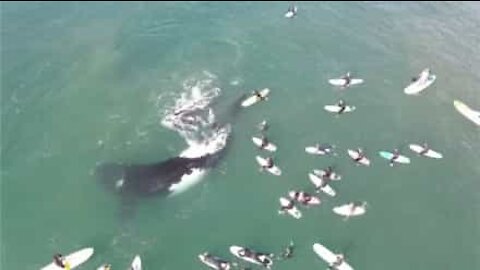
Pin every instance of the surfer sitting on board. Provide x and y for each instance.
(328, 173)
(264, 142)
(258, 95)
(59, 260)
(338, 262)
(269, 163)
(395, 156)
(292, 9)
(360, 155)
(425, 149)
(341, 103)
(347, 79)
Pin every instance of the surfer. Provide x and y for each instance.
(325, 148)
(269, 163)
(327, 174)
(341, 103)
(288, 251)
(338, 262)
(292, 9)
(263, 259)
(245, 252)
(395, 156)
(302, 197)
(360, 155)
(264, 142)
(347, 79)
(355, 205)
(258, 94)
(221, 264)
(425, 149)
(59, 260)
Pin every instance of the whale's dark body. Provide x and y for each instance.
(150, 179)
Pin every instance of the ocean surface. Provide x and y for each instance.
(85, 83)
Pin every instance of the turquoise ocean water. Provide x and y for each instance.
(83, 83)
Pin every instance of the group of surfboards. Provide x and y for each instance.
(79, 257)
(321, 178)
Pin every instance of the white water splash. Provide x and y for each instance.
(193, 118)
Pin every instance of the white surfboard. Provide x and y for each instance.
(214, 262)
(466, 111)
(336, 108)
(341, 82)
(235, 250)
(354, 155)
(312, 201)
(350, 210)
(273, 170)
(430, 153)
(400, 159)
(294, 212)
(136, 263)
(254, 99)
(318, 182)
(315, 151)
(75, 259)
(329, 256)
(425, 79)
(334, 176)
(269, 147)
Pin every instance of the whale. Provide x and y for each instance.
(155, 178)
